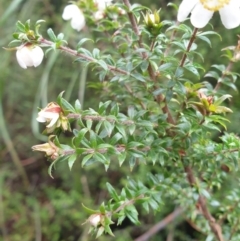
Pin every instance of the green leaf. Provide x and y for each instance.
(131, 129)
(103, 210)
(221, 99)
(78, 106)
(86, 159)
(62, 158)
(93, 139)
(144, 65)
(71, 161)
(101, 158)
(56, 141)
(219, 67)
(103, 64)
(67, 106)
(132, 214)
(109, 127)
(27, 25)
(100, 232)
(154, 205)
(165, 66)
(132, 162)
(20, 26)
(82, 41)
(85, 52)
(134, 144)
(108, 230)
(96, 53)
(115, 139)
(112, 192)
(114, 110)
(139, 77)
(80, 135)
(131, 112)
(192, 69)
(169, 95)
(89, 124)
(103, 106)
(60, 36)
(121, 129)
(179, 72)
(40, 21)
(88, 210)
(121, 157)
(51, 35)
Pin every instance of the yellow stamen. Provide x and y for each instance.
(214, 5)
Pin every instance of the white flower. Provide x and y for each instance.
(73, 12)
(28, 56)
(102, 4)
(203, 10)
(49, 114)
(99, 15)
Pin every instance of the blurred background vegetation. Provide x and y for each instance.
(32, 205)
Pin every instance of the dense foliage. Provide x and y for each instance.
(145, 142)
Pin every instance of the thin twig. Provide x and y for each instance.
(127, 203)
(215, 227)
(87, 58)
(194, 226)
(188, 47)
(161, 225)
(118, 148)
(98, 118)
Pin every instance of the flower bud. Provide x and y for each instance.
(50, 149)
(64, 123)
(152, 22)
(94, 219)
(102, 4)
(29, 55)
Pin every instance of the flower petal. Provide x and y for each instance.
(24, 58)
(78, 22)
(185, 8)
(102, 4)
(230, 15)
(41, 119)
(48, 115)
(236, 3)
(200, 16)
(53, 121)
(37, 55)
(98, 15)
(70, 11)
(20, 60)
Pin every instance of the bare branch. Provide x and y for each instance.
(87, 58)
(188, 47)
(161, 225)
